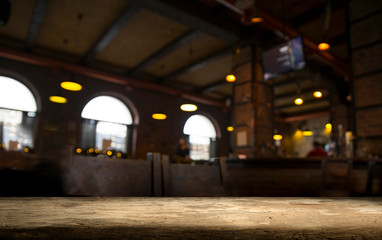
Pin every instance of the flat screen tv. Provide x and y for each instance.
(283, 58)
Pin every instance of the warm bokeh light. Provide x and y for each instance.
(188, 107)
(96, 150)
(317, 94)
(230, 78)
(71, 86)
(307, 133)
(119, 154)
(298, 101)
(109, 153)
(26, 149)
(159, 116)
(256, 19)
(91, 150)
(323, 46)
(78, 150)
(328, 128)
(230, 129)
(57, 99)
(277, 137)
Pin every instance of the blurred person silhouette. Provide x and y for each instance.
(317, 151)
(182, 152)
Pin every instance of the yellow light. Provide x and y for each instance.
(96, 150)
(307, 133)
(78, 150)
(230, 78)
(57, 99)
(91, 150)
(328, 128)
(188, 107)
(26, 150)
(71, 86)
(277, 137)
(119, 154)
(109, 153)
(323, 46)
(256, 19)
(230, 129)
(317, 94)
(298, 101)
(159, 116)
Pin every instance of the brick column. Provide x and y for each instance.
(252, 113)
(366, 50)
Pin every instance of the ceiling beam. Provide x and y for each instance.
(194, 16)
(35, 24)
(304, 115)
(197, 64)
(212, 87)
(283, 29)
(111, 32)
(100, 75)
(306, 102)
(315, 13)
(294, 92)
(164, 51)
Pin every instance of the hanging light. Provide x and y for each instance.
(71, 86)
(230, 78)
(159, 116)
(277, 137)
(298, 101)
(317, 94)
(323, 46)
(307, 133)
(230, 128)
(58, 99)
(188, 107)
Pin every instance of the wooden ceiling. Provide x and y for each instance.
(182, 47)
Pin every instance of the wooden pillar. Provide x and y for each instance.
(156, 173)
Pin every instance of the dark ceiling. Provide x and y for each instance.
(180, 47)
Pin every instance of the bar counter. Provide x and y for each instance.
(190, 218)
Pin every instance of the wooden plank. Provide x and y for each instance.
(166, 176)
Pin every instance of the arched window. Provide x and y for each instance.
(107, 125)
(201, 134)
(17, 111)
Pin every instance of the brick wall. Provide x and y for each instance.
(366, 44)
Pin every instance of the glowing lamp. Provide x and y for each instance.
(58, 99)
(328, 126)
(298, 101)
(109, 153)
(188, 107)
(71, 86)
(277, 137)
(230, 78)
(307, 133)
(159, 116)
(317, 94)
(257, 19)
(323, 46)
(78, 150)
(230, 129)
